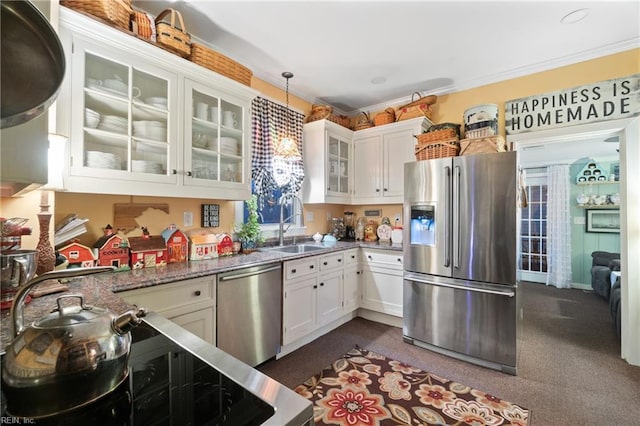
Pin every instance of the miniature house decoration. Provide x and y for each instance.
(112, 250)
(225, 245)
(78, 255)
(203, 246)
(177, 244)
(147, 251)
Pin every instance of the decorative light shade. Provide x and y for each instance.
(285, 150)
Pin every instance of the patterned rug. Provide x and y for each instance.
(366, 388)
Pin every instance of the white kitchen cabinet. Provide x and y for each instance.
(189, 303)
(151, 137)
(351, 280)
(328, 163)
(382, 282)
(381, 153)
(314, 294)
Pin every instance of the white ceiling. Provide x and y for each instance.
(335, 49)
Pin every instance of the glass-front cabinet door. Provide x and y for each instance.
(338, 169)
(128, 125)
(214, 137)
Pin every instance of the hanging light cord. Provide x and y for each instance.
(288, 75)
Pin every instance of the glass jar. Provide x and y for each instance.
(337, 228)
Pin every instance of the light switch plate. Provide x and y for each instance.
(309, 217)
(187, 218)
(578, 220)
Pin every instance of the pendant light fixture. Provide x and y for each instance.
(285, 148)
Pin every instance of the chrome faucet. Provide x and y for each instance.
(281, 229)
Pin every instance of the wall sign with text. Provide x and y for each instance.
(605, 100)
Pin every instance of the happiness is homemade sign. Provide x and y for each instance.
(605, 100)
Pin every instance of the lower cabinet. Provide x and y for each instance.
(317, 291)
(188, 303)
(382, 282)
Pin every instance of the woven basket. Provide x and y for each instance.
(480, 133)
(143, 25)
(115, 12)
(364, 122)
(341, 120)
(486, 145)
(219, 63)
(421, 107)
(437, 135)
(439, 149)
(321, 109)
(385, 117)
(174, 39)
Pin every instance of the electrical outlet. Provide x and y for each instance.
(309, 217)
(398, 218)
(187, 218)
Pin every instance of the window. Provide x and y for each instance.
(533, 230)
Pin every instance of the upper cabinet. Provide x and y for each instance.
(142, 121)
(328, 163)
(380, 154)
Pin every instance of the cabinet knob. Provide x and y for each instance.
(174, 172)
(353, 256)
(311, 266)
(325, 263)
(385, 189)
(369, 257)
(197, 293)
(357, 272)
(293, 271)
(315, 286)
(339, 260)
(399, 259)
(321, 284)
(377, 189)
(189, 174)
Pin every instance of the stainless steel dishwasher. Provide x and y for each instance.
(249, 313)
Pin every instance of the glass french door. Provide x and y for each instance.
(533, 231)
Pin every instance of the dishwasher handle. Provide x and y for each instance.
(232, 276)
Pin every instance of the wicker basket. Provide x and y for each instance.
(143, 25)
(385, 117)
(437, 135)
(219, 63)
(486, 145)
(421, 107)
(480, 133)
(175, 39)
(341, 120)
(439, 149)
(364, 122)
(115, 12)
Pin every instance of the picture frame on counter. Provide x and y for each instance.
(603, 221)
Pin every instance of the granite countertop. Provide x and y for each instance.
(102, 289)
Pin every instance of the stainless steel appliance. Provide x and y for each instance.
(249, 310)
(175, 378)
(460, 290)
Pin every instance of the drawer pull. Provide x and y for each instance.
(321, 284)
(369, 257)
(325, 263)
(293, 271)
(339, 260)
(315, 286)
(353, 256)
(197, 293)
(399, 259)
(311, 266)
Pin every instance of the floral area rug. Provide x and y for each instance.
(366, 388)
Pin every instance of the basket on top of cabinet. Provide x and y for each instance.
(115, 12)
(219, 63)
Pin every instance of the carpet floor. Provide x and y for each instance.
(569, 368)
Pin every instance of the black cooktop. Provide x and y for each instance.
(167, 385)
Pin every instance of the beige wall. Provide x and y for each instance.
(449, 108)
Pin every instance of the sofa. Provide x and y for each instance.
(602, 264)
(615, 306)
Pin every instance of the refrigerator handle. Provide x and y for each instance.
(456, 217)
(447, 205)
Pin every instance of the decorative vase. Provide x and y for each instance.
(46, 253)
(249, 246)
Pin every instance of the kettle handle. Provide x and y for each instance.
(17, 309)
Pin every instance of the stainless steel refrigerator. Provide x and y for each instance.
(461, 247)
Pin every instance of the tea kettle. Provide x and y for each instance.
(68, 358)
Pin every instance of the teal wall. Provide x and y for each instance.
(582, 242)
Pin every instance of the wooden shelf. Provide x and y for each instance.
(607, 182)
(601, 206)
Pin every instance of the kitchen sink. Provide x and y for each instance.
(296, 248)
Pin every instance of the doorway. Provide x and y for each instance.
(533, 228)
(628, 131)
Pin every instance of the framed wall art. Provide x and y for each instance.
(601, 220)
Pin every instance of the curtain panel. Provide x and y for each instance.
(559, 227)
(270, 171)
